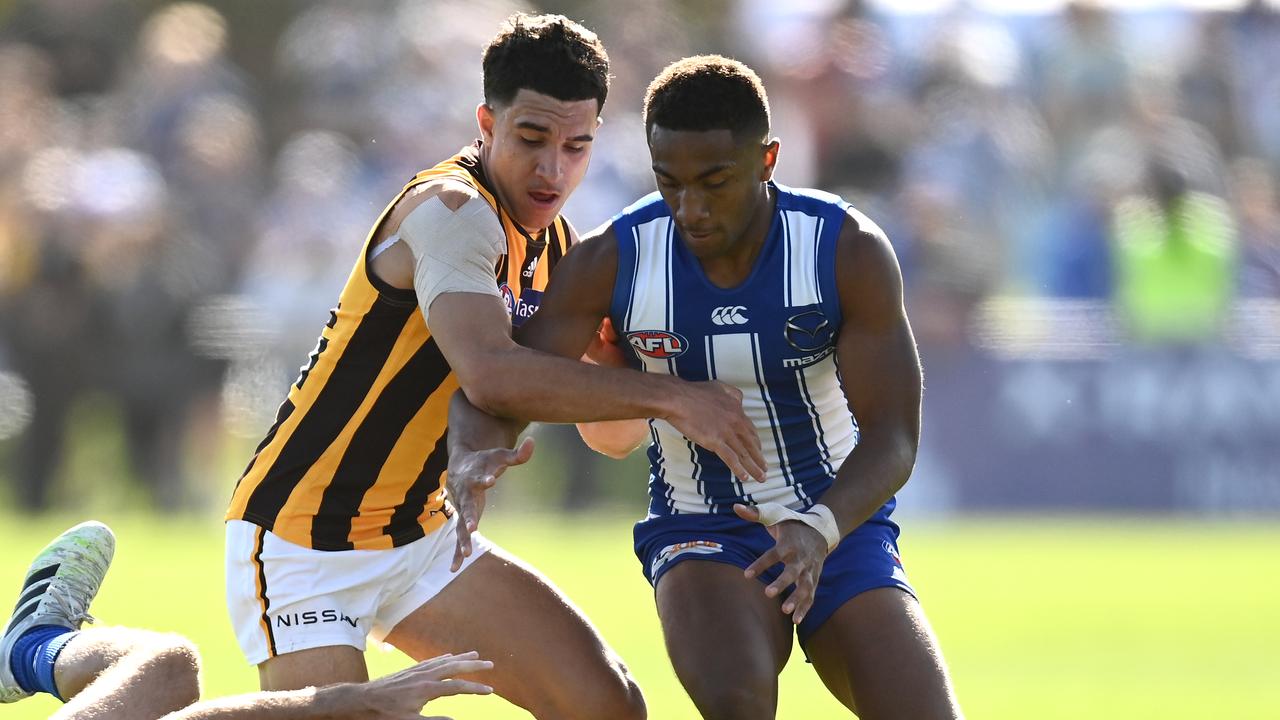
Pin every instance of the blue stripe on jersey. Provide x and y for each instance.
(660, 491)
(625, 279)
(719, 487)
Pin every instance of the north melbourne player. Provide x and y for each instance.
(795, 298)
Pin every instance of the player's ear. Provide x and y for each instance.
(486, 118)
(770, 160)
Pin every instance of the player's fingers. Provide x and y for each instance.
(752, 453)
(607, 332)
(524, 451)
(445, 688)
(785, 579)
(731, 459)
(801, 599)
(763, 563)
(499, 459)
(457, 666)
(432, 663)
(750, 513)
(462, 548)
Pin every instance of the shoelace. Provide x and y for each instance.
(69, 591)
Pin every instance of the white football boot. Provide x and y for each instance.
(62, 581)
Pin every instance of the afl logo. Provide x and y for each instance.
(658, 343)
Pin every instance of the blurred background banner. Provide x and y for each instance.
(1083, 197)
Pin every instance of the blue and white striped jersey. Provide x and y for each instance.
(773, 336)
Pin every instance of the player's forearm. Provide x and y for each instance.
(535, 386)
(472, 429)
(876, 470)
(334, 702)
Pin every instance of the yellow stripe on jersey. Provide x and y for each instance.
(304, 502)
(426, 428)
(358, 452)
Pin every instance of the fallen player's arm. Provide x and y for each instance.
(397, 696)
(880, 367)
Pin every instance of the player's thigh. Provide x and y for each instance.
(303, 615)
(727, 640)
(547, 657)
(313, 667)
(126, 674)
(878, 655)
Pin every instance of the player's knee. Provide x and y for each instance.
(632, 706)
(619, 699)
(174, 663)
(734, 701)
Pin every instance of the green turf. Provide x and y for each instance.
(1039, 618)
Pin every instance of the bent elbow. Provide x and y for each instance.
(480, 389)
(617, 453)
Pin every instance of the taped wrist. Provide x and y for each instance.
(819, 517)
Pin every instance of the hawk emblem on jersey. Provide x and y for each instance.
(658, 343)
(731, 315)
(520, 308)
(508, 297)
(809, 331)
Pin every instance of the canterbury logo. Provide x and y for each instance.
(730, 315)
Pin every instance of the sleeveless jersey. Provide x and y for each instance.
(357, 456)
(773, 337)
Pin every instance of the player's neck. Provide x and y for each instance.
(732, 267)
(499, 194)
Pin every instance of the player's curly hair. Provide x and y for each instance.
(708, 92)
(549, 54)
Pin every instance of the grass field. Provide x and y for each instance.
(1039, 617)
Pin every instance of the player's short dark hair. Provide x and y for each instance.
(549, 54)
(708, 92)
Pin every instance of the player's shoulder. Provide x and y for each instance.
(452, 191)
(648, 208)
(597, 249)
(811, 201)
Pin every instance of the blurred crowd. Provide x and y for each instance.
(184, 186)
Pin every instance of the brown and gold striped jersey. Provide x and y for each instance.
(356, 458)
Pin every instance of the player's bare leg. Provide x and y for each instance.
(726, 639)
(878, 655)
(314, 667)
(126, 674)
(107, 673)
(546, 656)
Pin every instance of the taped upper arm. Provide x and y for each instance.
(390, 259)
(454, 250)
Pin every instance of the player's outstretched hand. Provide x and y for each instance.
(710, 414)
(470, 475)
(802, 551)
(400, 696)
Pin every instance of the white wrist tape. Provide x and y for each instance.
(818, 517)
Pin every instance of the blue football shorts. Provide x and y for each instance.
(866, 559)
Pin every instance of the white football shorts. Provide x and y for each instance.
(284, 598)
